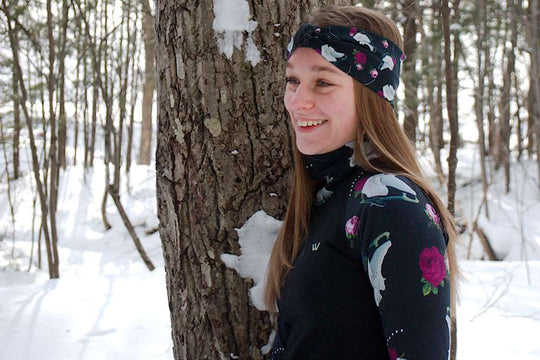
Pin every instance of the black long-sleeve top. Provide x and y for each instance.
(371, 280)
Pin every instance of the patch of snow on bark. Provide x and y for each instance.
(256, 238)
(231, 20)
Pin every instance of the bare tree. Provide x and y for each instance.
(51, 244)
(451, 105)
(481, 31)
(149, 83)
(411, 13)
(533, 40)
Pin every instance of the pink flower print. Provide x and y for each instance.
(374, 73)
(359, 185)
(360, 57)
(359, 67)
(433, 268)
(393, 354)
(351, 226)
(402, 57)
(432, 214)
(317, 30)
(352, 32)
(380, 93)
(385, 43)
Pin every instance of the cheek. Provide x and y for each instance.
(287, 100)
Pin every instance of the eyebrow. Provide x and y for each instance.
(317, 68)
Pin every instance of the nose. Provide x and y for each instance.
(301, 98)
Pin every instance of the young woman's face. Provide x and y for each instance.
(319, 98)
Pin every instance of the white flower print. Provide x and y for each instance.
(389, 92)
(388, 63)
(377, 185)
(330, 54)
(375, 270)
(290, 46)
(363, 39)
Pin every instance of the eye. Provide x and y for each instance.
(291, 80)
(323, 83)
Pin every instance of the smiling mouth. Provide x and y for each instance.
(310, 123)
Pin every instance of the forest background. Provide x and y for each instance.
(78, 130)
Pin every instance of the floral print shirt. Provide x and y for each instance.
(371, 280)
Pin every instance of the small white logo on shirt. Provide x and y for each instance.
(315, 247)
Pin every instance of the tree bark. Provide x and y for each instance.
(149, 83)
(223, 153)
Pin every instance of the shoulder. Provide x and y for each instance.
(391, 198)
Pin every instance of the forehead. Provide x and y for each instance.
(307, 59)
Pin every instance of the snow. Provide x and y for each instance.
(256, 238)
(106, 304)
(232, 19)
(455, 27)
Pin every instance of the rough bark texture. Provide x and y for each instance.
(223, 153)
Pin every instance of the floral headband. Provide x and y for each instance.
(369, 58)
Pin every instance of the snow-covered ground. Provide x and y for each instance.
(107, 305)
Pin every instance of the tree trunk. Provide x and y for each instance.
(149, 83)
(62, 130)
(16, 117)
(481, 27)
(53, 153)
(451, 105)
(503, 132)
(223, 152)
(40, 186)
(434, 90)
(533, 39)
(410, 77)
(134, 86)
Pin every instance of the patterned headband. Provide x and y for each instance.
(369, 58)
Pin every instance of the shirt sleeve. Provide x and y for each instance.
(398, 236)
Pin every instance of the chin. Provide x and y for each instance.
(310, 149)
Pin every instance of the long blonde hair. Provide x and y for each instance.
(378, 125)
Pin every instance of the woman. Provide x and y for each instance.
(360, 269)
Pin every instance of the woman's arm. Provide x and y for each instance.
(400, 241)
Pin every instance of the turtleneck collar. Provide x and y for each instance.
(331, 167)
